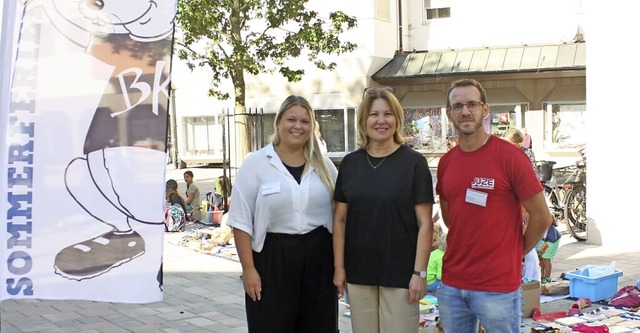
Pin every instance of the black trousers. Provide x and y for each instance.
(298, 295)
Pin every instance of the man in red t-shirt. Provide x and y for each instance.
(483, 183)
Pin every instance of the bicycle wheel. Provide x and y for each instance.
(575, 213)
(553, 202)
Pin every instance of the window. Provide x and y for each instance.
(337, 127)
(565, 125)
(382, 9)
(504, 117)
(423, 129)
(203, 135)
(436, 10)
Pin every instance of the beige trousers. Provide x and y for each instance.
(377, 309)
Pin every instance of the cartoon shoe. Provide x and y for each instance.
(98, 255)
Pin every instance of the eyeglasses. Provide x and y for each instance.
(374, 91)
(471, 106)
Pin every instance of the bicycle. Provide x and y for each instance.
(553, 191)
(575, 199)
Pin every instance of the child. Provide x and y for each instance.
(547, 249)
(434, 267)
(530, 263)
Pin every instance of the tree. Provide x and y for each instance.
(234, 37)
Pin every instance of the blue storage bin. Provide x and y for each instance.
(593, 288)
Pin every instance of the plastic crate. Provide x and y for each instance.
(212, 217)
(593, 288)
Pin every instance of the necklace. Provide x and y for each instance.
(375, 166)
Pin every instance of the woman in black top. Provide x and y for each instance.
(382, 227)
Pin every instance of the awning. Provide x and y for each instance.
(557, 60)
(423, 99)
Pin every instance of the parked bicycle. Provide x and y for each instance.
(553, 190)
(575, 199)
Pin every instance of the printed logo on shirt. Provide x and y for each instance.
(483, 183)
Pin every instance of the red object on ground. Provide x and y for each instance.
(590, 329)
(537, 316)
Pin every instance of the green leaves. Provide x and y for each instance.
(256, 36)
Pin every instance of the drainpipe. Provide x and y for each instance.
(399, 26)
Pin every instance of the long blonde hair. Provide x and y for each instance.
(312, 153)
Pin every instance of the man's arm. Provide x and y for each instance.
(539, 220)
(444, 207)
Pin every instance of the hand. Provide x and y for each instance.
(340, 280)
(417, 288)
(252, 284)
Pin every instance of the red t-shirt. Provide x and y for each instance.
(484, 190)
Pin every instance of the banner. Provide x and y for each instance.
(84, 149)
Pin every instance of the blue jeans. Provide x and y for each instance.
(462, 310)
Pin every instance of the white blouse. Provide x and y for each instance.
(266, 198)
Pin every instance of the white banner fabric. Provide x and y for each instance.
(84, 149)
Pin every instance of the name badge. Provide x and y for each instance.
(476, 197)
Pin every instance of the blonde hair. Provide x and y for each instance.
(439, 237)
(363, 113)
(514, 135)
(312, 153)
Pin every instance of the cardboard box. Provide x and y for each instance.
(530, 298)
(593, 288)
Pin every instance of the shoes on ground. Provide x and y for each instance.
(574, 309)
(584, 303)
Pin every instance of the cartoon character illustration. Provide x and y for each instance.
(115, 177)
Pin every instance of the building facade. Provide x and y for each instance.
(530, 57)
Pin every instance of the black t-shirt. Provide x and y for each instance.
(381, 229)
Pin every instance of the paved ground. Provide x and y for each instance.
(203, 293)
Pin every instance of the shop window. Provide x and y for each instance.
(427, 129)
(565, 125)
(504, 117)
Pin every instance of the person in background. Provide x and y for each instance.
(382, 229)
(452, 141)
(483, 183)
(527, 142)
(514, 136)
(434, 268)
(531, 269)
(282, 222)
(174, 215)
(223, 193)
(192, 194)
(547, 249)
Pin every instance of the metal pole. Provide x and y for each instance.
(225, 163)
(174, 129)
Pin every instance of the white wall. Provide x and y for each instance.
(613, 178)
(496, 22)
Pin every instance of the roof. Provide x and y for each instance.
(483, 61)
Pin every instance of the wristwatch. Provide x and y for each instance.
(422, 274)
